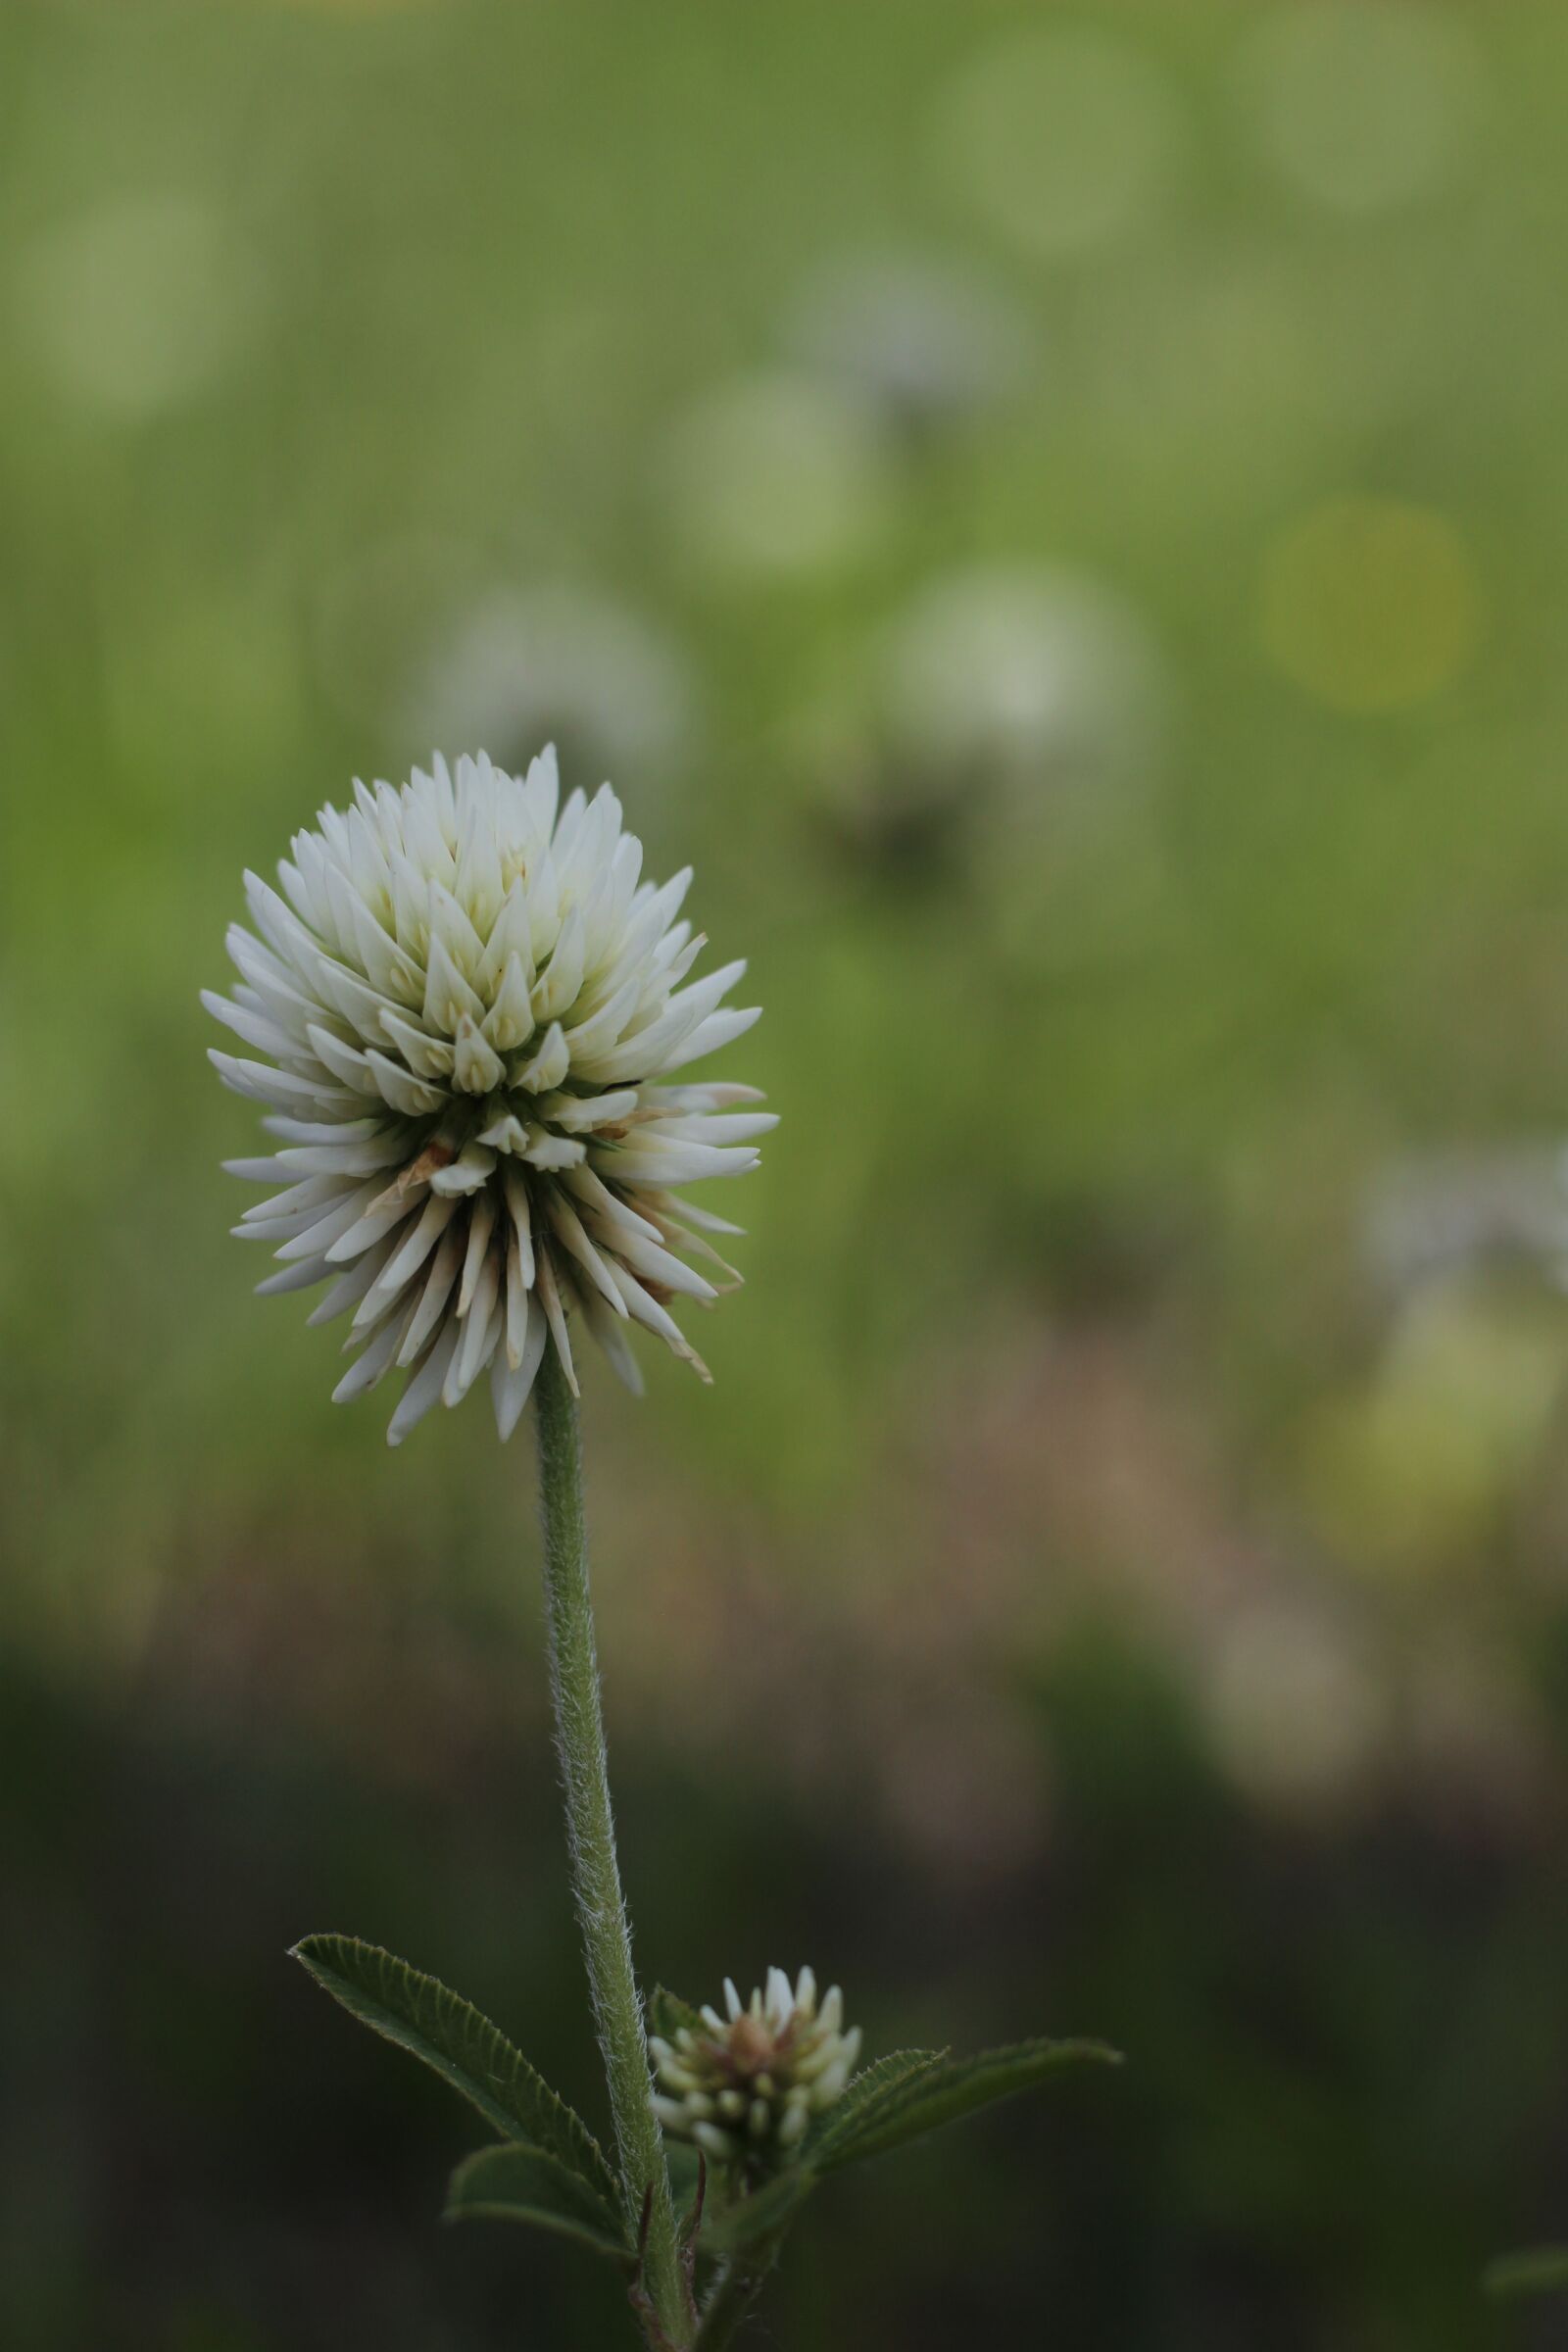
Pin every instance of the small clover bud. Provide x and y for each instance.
(744, 2088)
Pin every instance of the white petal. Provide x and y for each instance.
(425, 1385)
(348, 1159)
(574, 1114)
(478, 1066)
(293, 1278)
(480, 1332)
(514, 1186)
(350, 1287)
(256, 1171)
(511, 937)
(645, 1310)
(648, 1160)
(720, 1029)
(601, 1029)
(661, 1266)
(549, 1065)
(409, 1256)
(612, 1338)
(505, 1134)
(509, 1022)
(554, 1151)
(447, 995)
(371, 1366)
(381, 1216)
(556, 988)
(611, 1208)
(568, 1230)
(416, 1097)
(323, 1131)
(256, 1030)
(511, 1384)
(284, 1089)
(470, 1172)
(481, 1224)
(549, 1301)
(518, 1284)
(426, 1057)
(737, 1127)
(323, 1235)
(439, 1285)
(345, 1063)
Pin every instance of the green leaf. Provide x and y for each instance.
(1538, 2271)
(931, 2095)
(684, 2166)
(667, 2013)
(447, 2033)
(515, 2182)
(761, 2214)
(868, 2094)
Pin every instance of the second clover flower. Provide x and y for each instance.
(467, 1001)
(744, 2087)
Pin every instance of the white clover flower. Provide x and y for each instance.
(467, 1003)
(567, 662)
(929, 343)
(747, 2085)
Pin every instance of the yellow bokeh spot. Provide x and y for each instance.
(1369, 603)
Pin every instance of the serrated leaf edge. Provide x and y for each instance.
(558, 2131)
(884, 2125)
(686, 2015)
(845, 2117)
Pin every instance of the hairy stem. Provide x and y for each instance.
(591, 1841)
(733, 2292)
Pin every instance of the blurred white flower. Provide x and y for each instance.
(1361, 105)
(1062, 138)
(1021, 676)
(139, 304)
(563, 665)
(1294, 1703)
(465, 1005)
(929, 343)
(778, 476)
(746, 2085)
(1407, 1472)
(1452, 1211)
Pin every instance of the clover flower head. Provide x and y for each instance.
(744, 2087)
(468, 1001)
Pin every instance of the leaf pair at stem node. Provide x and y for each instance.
(549, 2171)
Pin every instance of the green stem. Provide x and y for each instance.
(730, 2298)
(591, 1842)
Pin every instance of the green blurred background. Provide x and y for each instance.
(1061, 513)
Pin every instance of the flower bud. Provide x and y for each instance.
(744, 2088)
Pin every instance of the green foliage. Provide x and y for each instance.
(1538, 2271)
(889, 2102)
(668, 2014)
(867, 2098)
(451, 2036)
(517, 2182)
(761, 2215)
(935, 2089)
(685, 2167)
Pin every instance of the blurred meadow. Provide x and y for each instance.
(1060, 513)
